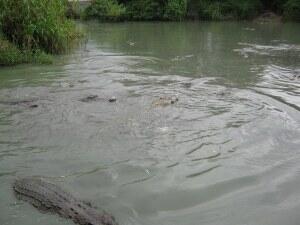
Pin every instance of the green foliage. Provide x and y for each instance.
(245, 9)
(292, 10)
(11, 55)
(105, 10)
(175, 9)
(212, 10)
(155, 9)
(145, 10)
(73, 10)
(229, 9)
(37, 24)
(274, 5)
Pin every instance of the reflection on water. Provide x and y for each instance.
(225, 153)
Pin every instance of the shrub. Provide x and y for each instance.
(11, 55)
(229, 9)
(292, 10)
(73, 10)
(245, 9)
(275, 5)
(105, 10)
(175, 9)
(144, 10)
(212, 10)
(37, 24)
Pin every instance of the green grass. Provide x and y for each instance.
(229, 9)
(292, 10)
(113, 10)
(37, 24)
(11, 55)
(105, 10)
(208, 9)
(144, 10)
(175, 10)
(32, 30)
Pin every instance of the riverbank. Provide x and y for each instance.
(178, 10)
(11, 55)
(31, 31)
(27, 39)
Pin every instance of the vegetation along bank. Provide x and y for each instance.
(116, 10)
(32, 31)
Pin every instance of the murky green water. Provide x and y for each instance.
(226, 153)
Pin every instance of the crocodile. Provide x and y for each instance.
(48, 197)
(164, 101)
(90, 98)
(26, 103)
(93, 98)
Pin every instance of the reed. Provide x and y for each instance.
(11, 55)
(292, 10)
(105, 10)
(37, 24)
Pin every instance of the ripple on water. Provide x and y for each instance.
(268, 50)
(281, 84)
(225, 153)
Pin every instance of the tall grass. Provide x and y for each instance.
(113, 10)
(292, 10)
(175, 9)
(229, 9)
(37, 24)
(11, 55)
(105, 10)
(144, 10)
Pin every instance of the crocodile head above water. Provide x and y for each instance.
(48, 197)
(164, 101)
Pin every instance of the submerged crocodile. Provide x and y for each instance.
(93, 98)
(27, 103)
(48, 197)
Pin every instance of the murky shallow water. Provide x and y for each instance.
(226, 153)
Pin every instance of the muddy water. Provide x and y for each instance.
(227, 152)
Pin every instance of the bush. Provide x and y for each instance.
(275, 5)
(37, 24)
(73, 10)
(175, 9)
(11, 55)
(113, 10)
(292, 10)
(105, 10)
(229, 9)
(145, 10)
(212, 10)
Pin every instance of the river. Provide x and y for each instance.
(226, 153)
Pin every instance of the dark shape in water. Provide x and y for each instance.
(26, 103)
(83, 81)
(48, 197)
(164, 101)
(33, 106)
(89, 98)
(187, 85)
(112, 99)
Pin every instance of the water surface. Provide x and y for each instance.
(226, 153)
